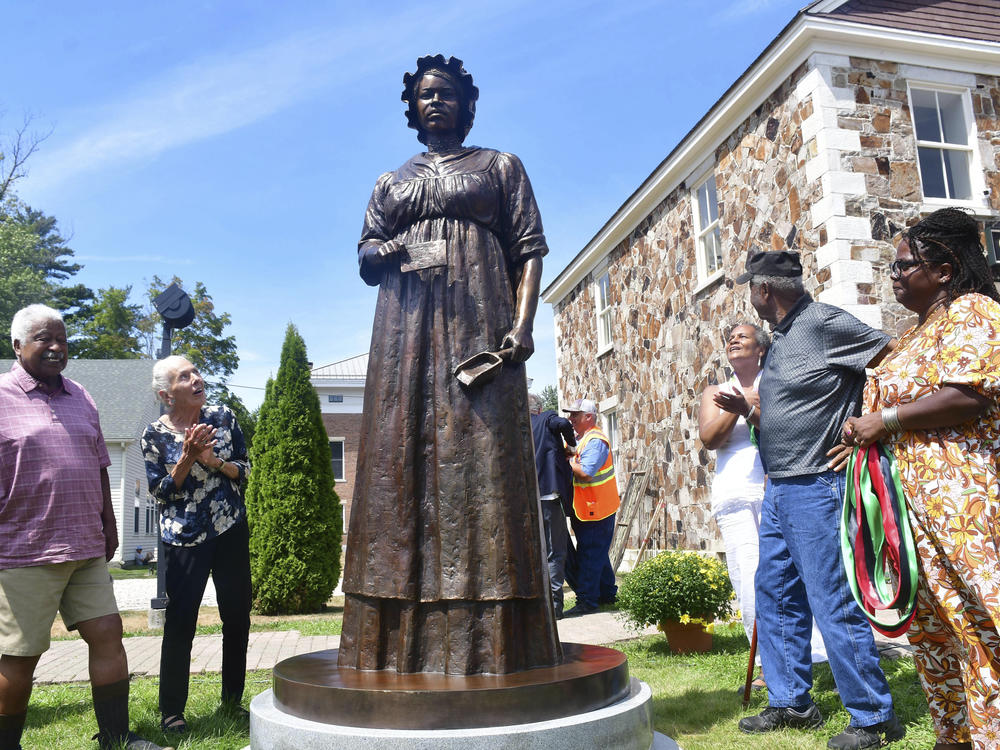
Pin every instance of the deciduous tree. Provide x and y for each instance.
(203, 343)
(109, 328)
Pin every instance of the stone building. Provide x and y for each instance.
(859, 118)
(341, 390)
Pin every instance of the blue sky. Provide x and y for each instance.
(237, 143)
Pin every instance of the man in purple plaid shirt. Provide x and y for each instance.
(57, 531)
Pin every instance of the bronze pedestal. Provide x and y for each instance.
(312, 686)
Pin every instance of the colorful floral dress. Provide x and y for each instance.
(950, 479)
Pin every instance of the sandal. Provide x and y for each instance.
(173, 724)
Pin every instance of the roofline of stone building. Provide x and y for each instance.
(805, 35)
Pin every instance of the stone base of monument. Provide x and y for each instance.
(588, 701)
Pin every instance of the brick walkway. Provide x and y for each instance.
(66, 661)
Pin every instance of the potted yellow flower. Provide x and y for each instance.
(683, 593)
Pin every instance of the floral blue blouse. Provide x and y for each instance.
(208, 502)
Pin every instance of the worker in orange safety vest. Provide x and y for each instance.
(595, 502)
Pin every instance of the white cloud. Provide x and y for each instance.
(135, 259)
(209, 97)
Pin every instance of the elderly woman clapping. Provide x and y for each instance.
(197, 466)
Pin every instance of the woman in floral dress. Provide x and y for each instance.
(444, 570)
(934, 401)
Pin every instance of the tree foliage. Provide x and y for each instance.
(295, 515)
(15, 150)
(109, 328)
(202, 343)
(34, 267)
(550, 398)
(246, 418)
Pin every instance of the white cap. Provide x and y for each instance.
(584, 405)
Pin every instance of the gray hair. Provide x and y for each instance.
(786, 286)
(759, 334)
(535, 403)
(28, 318)
(162, 371)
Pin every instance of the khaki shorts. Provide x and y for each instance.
(29, 598)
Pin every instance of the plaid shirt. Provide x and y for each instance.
(51, 454)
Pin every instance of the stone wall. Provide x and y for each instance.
(826, 166)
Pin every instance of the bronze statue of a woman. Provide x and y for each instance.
(445, 570)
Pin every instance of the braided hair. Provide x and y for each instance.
(950, 235)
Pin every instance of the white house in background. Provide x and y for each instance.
(341, 390)
(122, 390)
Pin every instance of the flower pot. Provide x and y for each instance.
(686, 638)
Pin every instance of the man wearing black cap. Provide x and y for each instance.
(812, 381)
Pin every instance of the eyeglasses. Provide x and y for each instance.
(899, 267)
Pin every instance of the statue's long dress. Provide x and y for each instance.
(445, 570)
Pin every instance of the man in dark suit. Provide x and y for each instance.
(553, 436)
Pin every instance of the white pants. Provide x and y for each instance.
(739, 523)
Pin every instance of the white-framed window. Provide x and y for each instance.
(609, 420)
(337, 458)
(605, 319)
(335, 398)
(708, 234)
(945, 132)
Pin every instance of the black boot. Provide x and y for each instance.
(11, 727)
(111, 708)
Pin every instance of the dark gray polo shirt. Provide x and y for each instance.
(812, 382)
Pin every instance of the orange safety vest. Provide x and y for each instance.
(597, 499)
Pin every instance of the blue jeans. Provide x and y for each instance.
(801, 573)
(588, 568)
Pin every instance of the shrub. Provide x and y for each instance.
(675, 585)
(294, 513)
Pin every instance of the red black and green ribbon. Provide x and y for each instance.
(876, 541)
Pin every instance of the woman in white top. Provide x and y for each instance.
(727, 411)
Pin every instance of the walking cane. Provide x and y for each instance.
(753, 655)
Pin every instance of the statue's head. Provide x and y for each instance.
(450, 74)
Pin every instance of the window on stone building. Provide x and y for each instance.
(943, 124)
(707, 225)
(337, 458)
(604, 312)
(609, 419)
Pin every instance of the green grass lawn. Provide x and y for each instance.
(696, 700)
(119, 573)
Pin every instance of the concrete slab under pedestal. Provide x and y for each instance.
(624, 725)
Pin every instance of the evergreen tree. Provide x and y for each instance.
(247, 419)
(34, 267)
(550, 398)
(295, 516)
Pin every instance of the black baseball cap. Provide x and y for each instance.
(781, 263)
